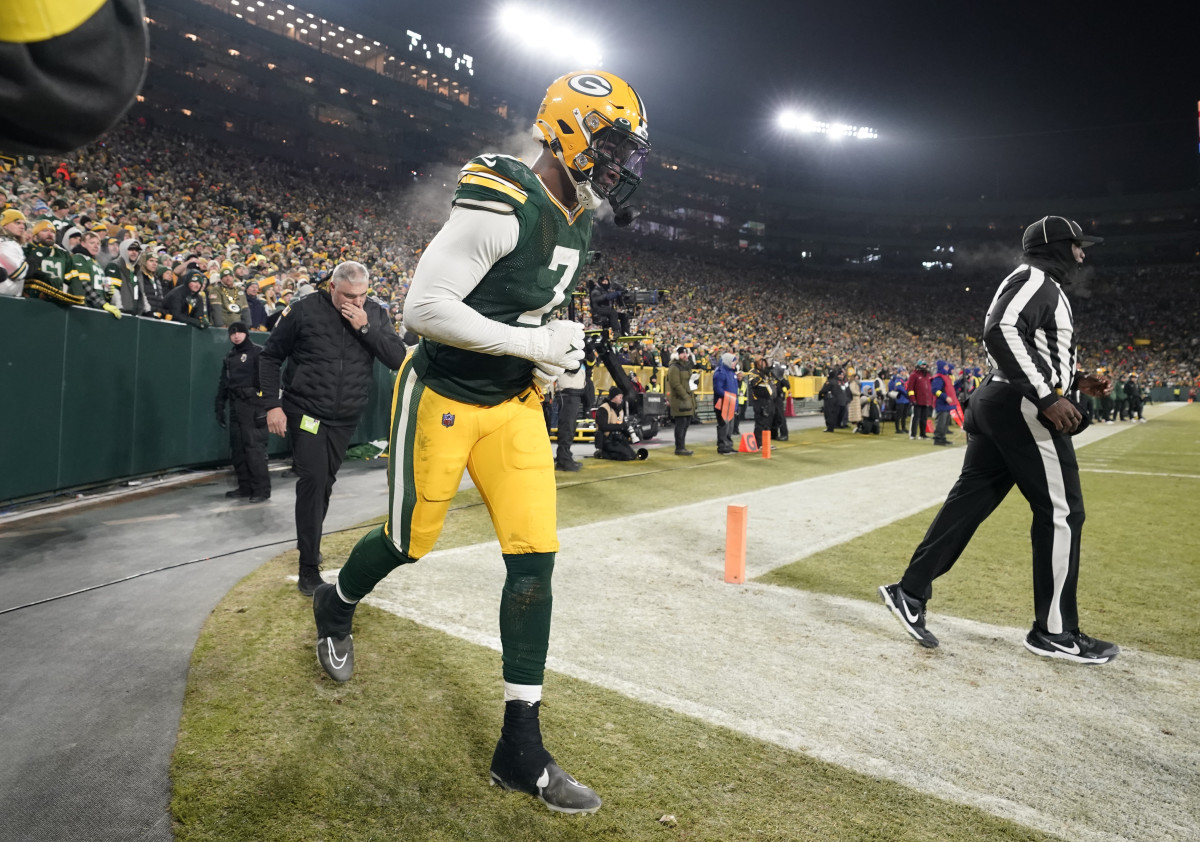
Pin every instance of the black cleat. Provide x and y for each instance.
(522, 764)
(682, 451)
(568, 466)
(335, 644)
(910, 612)
(1071, 646)
(237, 492)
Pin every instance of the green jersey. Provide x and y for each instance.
(86, 277)
(523, 289)
(54, 260)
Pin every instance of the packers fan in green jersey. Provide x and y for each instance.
(482, 300)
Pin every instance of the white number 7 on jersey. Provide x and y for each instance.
(565, 257)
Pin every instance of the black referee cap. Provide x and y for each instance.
(1050, 229)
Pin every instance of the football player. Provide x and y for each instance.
(482, 300)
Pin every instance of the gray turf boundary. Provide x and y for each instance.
(1088, 753)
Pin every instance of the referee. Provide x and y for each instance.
(331, 340)
(1019, 422)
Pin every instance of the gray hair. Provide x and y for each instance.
(350, 272)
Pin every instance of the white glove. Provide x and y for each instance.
(545, 375)
(556, 344)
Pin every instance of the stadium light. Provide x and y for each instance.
(558, 39)
(790, 121)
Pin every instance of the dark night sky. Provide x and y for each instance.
(1027, 99)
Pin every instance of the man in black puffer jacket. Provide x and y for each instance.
(331, 340)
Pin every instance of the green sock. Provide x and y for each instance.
(525, 608)
(373, 557)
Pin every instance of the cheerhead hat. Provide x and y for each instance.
(1051, 229)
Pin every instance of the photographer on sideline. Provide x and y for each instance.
(612, 429)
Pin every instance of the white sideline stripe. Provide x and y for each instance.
(144, 519)
(660, 626)
(24, 533)
(1137, 473)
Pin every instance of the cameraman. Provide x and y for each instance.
(601, 299)
(611, 429)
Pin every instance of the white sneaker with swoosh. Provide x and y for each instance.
(335, 644)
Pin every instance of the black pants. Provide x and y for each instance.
(681, 427)
(831, 412)
(919, 417)
(1007, 444)
(779, 427)
(568, 416)
(764, 419)
(248, 447)
(316, 458)
(901, 420)
(616, 446)
(619, 322)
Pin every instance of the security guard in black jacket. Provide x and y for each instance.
(331, 340)
(247, 422)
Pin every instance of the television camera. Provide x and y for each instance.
(646, 411)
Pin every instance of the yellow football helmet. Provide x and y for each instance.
(595, 123)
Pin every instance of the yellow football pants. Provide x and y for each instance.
(506, 449)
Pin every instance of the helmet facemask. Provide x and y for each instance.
(612, 164)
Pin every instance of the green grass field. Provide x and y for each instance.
(270, 749)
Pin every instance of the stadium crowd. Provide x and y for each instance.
(185, 229)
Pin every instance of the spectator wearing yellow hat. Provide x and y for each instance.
(14, 225)
(45, 255)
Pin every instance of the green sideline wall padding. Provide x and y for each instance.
(90, 399)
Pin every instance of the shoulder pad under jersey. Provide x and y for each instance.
(494, 182)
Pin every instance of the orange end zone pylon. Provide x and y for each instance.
(735, 543)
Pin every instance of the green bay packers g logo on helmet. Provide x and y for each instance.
(589, 84)
(595, 123)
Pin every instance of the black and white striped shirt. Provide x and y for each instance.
(1029, 335)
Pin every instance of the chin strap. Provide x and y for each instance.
(584, 194)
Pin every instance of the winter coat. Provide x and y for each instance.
(183, 305)
(724, 381)
(239, 376)
(918, 388)
(679, 392)
(942, 387)
(854, 411)
(330, 362)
